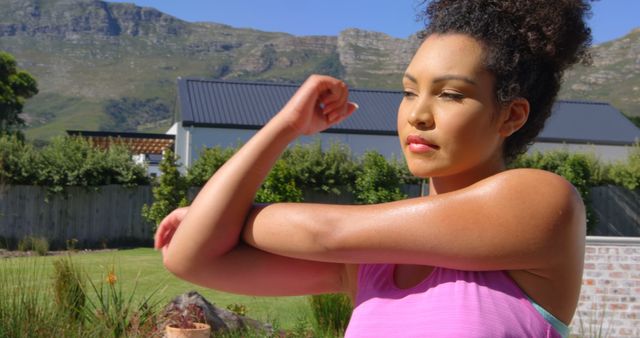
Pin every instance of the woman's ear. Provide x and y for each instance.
(515, 115)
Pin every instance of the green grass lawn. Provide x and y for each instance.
(144, 265)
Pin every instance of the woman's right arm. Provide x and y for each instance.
(250, 271)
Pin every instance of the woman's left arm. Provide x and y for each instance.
(518, 219)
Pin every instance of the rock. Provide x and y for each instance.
(221, 320)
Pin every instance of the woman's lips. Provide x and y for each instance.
(419, 145)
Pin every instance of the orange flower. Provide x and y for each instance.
(112, 278)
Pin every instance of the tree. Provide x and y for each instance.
(15, 87)
(169, 193)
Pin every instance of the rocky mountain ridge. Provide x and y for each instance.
(99, 62)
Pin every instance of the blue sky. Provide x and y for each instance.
(612, 18)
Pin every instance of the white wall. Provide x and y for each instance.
(604, 153)
(191, 140)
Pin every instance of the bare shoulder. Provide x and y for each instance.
(549, 199)
(538, 186)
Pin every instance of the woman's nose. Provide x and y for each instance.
(421, 118)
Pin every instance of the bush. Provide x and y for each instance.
(279, 186)
(332, 313)
(68, 288)
(170, 192)
(627, 174)
(18, 161)
(38, 244)
(378, 181)
(67, 161)
(209, 161)
(313, 169)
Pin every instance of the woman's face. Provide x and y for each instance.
(448, 118)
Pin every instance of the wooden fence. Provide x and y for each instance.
(618, 211)
(110, 215)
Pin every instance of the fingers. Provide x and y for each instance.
(338, 117)
(334, 103)
(168, 226)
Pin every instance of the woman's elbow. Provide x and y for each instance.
(182, 267)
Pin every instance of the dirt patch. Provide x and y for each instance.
(4, 253)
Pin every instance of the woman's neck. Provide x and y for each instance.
(444, 184)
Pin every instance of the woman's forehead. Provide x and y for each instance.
(447, 55)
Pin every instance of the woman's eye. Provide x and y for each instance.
(408, 94)
(453, 96)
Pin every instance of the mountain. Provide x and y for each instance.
(614, 75)
(113, 66)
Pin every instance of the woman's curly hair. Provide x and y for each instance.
(528, 45)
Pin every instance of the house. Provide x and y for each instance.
(147, 149)
(588, 127)
(226, 113)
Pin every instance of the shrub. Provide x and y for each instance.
(314, 169)
(279, 186)
(627, 174)
(68, 288)
(25, 308)
(18, 161)
(378, 181)
(31, 243)
(67, 161)
(169, 193)
(332, 313)
(210, 160)
(111, 310)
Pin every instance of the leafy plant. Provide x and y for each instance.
(67, 161)
(25, 308)
(378, 180)
(627, 174)
(331, 171)
(115, 311)
(209, 161)
(331, 312)
(68, 287)
(239, 309)
(169, 193)
(15, 87)
(184, 317)
(279, 186)
(31, 243)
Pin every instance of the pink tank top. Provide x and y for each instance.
(448, 303)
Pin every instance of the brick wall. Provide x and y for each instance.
(610, 298)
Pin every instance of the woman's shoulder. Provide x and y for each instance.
(539, 192)
(533, 182)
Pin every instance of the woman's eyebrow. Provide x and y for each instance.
(443, 78)
(410, 77)
(455, 77)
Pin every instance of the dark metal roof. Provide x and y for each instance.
(588, 122)
(249, 105)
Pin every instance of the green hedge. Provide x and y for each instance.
(67, 161)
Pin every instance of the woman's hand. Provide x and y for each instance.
(168, 227)
(319, 103)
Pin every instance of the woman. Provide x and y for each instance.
(489, 253)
